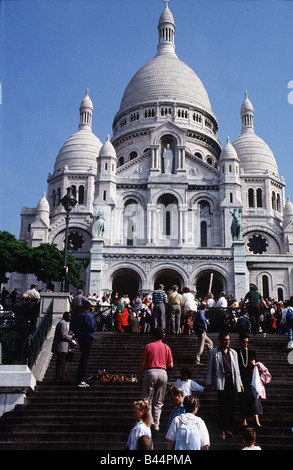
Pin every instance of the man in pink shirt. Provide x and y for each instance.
(152, 376)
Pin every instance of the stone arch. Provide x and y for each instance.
(168, 275)
(202, 278)
(125, 279)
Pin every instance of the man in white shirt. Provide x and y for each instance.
(189, 418)
(222, 301)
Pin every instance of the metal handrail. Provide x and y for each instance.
(39, 336)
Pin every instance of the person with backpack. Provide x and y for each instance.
(188, 431)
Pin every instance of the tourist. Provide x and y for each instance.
(159, 299)
(175, 395)
(254, 299)
(174, 301)
(84, 326)
(141, 414)
(249, 405)
(210, 301)
(222, 301)
(223, 372)
(249, 439)
(188, 307)
(60, 344)
(152, 376)
(200, 327)
(186, 384)
(188, 431)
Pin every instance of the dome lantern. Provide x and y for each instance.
(246, 114)
(86, 112)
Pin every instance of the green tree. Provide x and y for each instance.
(14, 255)
(48, 264)
(45, 261)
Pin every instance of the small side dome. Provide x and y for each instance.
(107, 149)
(228, 152)
(288, 212)
(43, 205)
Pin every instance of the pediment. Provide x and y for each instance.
(197, 168)
(39, 224)
(168, 127)
(138, 168)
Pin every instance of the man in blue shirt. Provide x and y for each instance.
(159, 298)
(84, 327)
(176, 397)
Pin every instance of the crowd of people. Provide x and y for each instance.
(176, 312)
(232, 373)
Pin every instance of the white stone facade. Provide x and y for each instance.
(169, 221)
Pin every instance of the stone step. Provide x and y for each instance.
(64, 417)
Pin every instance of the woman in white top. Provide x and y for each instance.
(188, 307)
(142, 427)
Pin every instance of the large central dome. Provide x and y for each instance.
(165, 78)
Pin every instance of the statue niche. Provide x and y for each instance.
(168, 156)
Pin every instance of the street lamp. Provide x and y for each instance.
(68, 202)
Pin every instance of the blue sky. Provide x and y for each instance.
(52, 50)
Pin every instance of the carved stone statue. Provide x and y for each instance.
(236, 225)
(98, 223)
(168, 159)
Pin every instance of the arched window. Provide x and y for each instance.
(278, 203)
(168, 223)
(132, 155)
(169, 213)
(250, 197)
(58, 196)
(121, 161)
(198, 155)
(81, 194)
(53, 198)
(274, 200)
(73, 187)
(203, 234)
(259, 197)
(265, 287)
(280, 294)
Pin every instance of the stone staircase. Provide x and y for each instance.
(65, 417)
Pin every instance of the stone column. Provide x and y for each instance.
(241, 273)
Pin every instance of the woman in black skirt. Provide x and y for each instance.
(248, 403)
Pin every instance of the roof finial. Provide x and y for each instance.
(87, 91)
(166, 3)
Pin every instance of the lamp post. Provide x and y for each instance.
(68, 202)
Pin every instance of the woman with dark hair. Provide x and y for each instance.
(248, 403)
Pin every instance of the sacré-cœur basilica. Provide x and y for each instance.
(167, 193)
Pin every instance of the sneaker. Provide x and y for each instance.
(83, 384)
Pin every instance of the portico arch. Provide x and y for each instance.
(204, 278)
(126, 281)
(168, 277)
